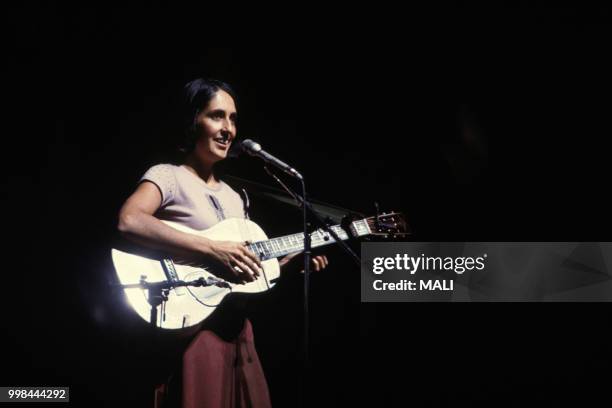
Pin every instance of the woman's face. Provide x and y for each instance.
(216, 128)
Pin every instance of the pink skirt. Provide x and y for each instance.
(221, 374)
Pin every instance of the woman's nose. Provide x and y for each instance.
(229, 126)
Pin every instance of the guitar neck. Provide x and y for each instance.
(288, 244)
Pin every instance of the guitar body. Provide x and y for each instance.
(188, 306)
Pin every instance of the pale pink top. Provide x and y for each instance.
(188, 200)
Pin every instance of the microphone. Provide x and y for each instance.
(254, 149)
(212, 281)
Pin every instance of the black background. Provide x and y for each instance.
(479, 124)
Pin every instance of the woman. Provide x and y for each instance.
(193, 194)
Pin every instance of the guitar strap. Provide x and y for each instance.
(245, 202)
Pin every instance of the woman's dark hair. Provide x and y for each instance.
(196, 96)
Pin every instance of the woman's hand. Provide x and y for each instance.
(296, 261)
(242, 264)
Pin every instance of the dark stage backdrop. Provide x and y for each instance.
(481, 125)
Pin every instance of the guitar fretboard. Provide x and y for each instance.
(277, 247)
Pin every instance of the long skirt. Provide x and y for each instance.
(224, 374)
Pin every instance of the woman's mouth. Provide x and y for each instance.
(222, 141)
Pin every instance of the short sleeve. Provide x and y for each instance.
(162, 175)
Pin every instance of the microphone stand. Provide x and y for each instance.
(306, 209)
(158, 291)
(322, 223)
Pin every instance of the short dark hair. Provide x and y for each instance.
(196, 96)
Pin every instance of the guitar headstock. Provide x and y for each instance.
(388, 225)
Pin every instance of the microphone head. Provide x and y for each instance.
(250, 147)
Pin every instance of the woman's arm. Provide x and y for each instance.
(137, 223)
